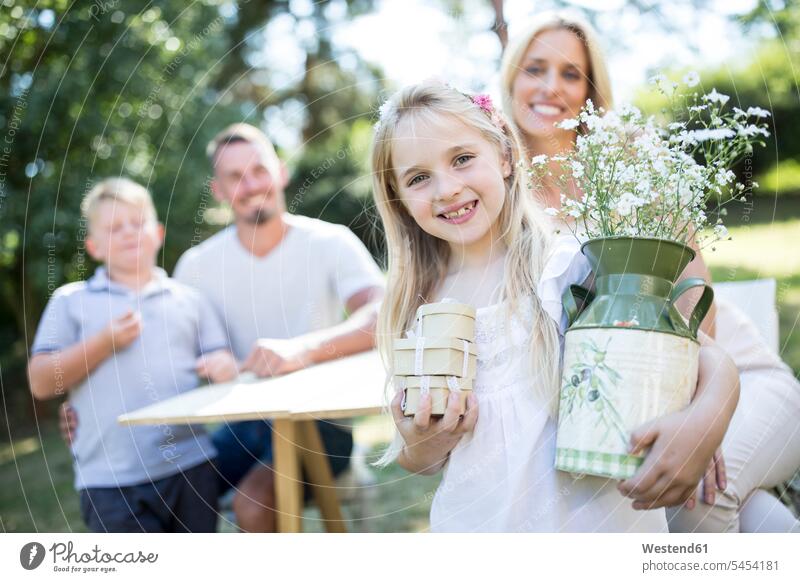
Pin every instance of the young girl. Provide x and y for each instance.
(547, 74)
(460, 223)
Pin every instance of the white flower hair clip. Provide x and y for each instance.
(383, 111)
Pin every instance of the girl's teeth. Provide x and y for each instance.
(460, 212)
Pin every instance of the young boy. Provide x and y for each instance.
(126, 338)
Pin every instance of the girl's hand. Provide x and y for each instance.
(681, 454)
(428, 441)
(683, 443)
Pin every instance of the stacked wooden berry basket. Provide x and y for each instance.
(438, 356)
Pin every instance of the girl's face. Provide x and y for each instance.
(552, 83)
(451, 181)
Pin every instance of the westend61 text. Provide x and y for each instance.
(674, 549)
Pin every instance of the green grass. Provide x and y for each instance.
(782, 178)
(36, 493)
(762, 251)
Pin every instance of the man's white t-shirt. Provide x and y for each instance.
(301, 286)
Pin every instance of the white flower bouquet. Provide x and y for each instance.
(635, 177)
(640, 193)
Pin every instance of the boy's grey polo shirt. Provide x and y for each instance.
(178, 325)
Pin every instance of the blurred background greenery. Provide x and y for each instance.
(95, 89)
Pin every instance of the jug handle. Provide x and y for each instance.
(575, 300)
(703, 305)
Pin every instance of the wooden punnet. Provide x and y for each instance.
(438, 357)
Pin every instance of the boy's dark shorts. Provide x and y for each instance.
(243, 445)
(185, 502)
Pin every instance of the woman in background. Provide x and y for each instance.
(547, 74)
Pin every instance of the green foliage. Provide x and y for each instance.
(106, 88)
(332, 182)
(782, 178)
(92, 92)
(768, 78)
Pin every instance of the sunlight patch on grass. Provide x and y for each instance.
(18, 449)
(769, 250)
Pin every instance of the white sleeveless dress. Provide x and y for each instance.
(500, 477)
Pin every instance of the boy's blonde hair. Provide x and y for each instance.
(117, 190)
(599, 81)
(417, 261)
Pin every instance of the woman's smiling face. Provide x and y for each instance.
(552, 83)
(451, 180)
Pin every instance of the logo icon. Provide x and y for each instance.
(31, 555)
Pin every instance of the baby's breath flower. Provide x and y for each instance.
(384, 108)
(568, 124)
(715, 97)
(753, 130)
(691, 79)
(757, 112)
(711, 134)
(635, 172)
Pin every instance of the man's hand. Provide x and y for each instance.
(217, 366)
(124, 330)
(274, 357)
(67, 422)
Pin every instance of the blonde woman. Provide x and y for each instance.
(548, 72)
(460, 223)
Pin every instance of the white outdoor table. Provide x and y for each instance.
(351, 386)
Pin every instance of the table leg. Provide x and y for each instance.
(288, 481)
(318, 470)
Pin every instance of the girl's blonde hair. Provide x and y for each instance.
(597, 75)
(417, 261)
